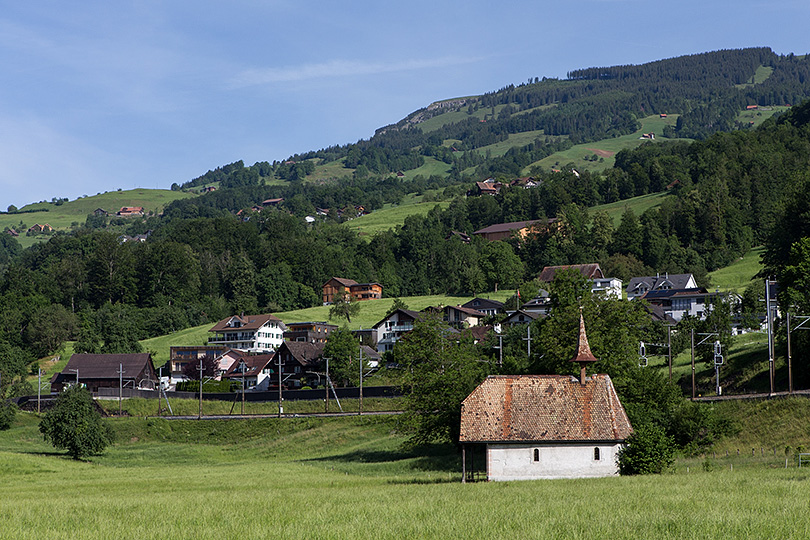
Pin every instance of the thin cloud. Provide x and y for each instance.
(339, 68)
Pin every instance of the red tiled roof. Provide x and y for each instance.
(543, 408)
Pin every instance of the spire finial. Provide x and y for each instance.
(583, 355)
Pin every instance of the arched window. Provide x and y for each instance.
(596, 455)
(537, 454)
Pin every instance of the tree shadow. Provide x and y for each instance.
(433, 458)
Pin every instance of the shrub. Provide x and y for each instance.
(74, 424)
(649, 451)
(7, 412)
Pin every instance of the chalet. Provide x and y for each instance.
(40, 229)
(12, 232)
(358, 291)
(458, 317)
(485, 306)
(648, 136)
(180, 357)
(272, 202)
(488, 188)
(678, 303)
(252, 370)
(546, 426)
(638, 286)
(463, 237)
(100, 212)
(209, 189)
(103, 371)
(298, 361)
(130, 211)
(394, 326)
(520, 317)
(311, 332)
(540, 304)
(502, 231)
(255, 333)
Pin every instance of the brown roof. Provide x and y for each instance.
(105, 366)
(590, 271)
(304, 352)
(248, 322)
(543, 408)
(347, 283)
(254, 363)
(512, 226)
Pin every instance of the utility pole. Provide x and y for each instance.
(199, 415)
(769, 319)
(121, 388)
(692, 340)
(361, 381)
(804, 319)
(280, 397)
(326, 386)
(39, 389)
(669, 350)
(528, 340)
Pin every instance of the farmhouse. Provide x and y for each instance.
(546, 426)
(358, 291)
(102, 371)
(501, 231)
(130, 211)
(255, 333)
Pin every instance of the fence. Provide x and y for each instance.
(272, 395)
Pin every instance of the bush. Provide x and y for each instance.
(210, 386)
(649, 451)
(7, 412)
(75, 425)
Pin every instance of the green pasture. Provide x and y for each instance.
(638, 205)
(63, 216)
(580, 155)
(371, 312)
(739, 274)
(388, 218)
(760, 76)
(352, 478)
(757, 116)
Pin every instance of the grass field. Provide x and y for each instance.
(389, 218)
(371, 312)
(63, 216)
(638, 204)
(580, 154)
(351, 478)
(739, 274)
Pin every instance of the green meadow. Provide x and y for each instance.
(351, 477)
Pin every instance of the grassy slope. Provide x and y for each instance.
(61, 217)
(371, 312)
(350, 478)
(388, 218)
(739, 274)
(637, 204)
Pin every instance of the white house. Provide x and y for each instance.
(546, 426)
(254, 333)
(639, 286)
(394, 326)
(252, 370)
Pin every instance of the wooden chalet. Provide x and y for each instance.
(102, 371)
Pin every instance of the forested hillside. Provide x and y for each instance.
(211, 256)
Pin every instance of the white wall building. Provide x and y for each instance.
(254, 333)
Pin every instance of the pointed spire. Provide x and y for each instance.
(583, 355)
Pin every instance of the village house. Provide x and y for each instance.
(457, 316)
(40, 229)
(130, 211)
(639, 286)
(298, 362)
(311, 332)
(252, 370)
(610, 287)
(485, 306)
(181, 356)
(545, 426)
(96, 371)
(254, 333)
(520, 317)
(394, 326)
(358, 291)
(501, 231)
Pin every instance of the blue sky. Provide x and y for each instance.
(100, 95)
